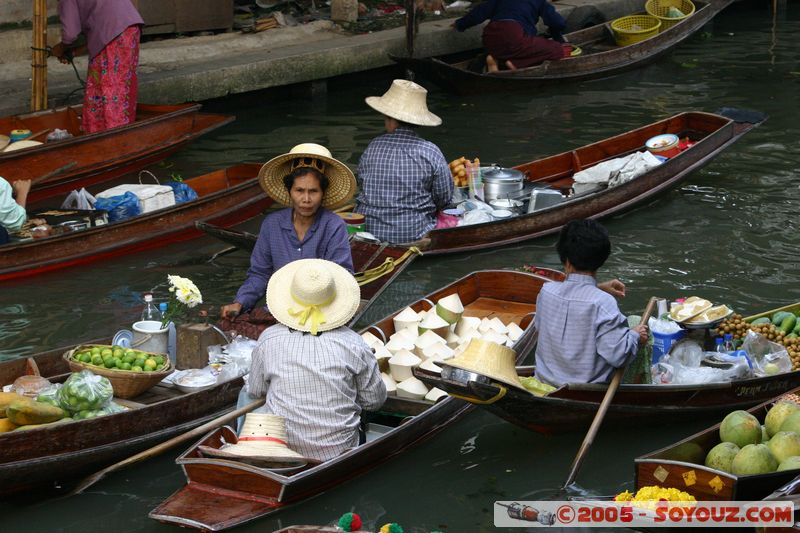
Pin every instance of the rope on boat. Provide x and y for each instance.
(476, 401)
(371, 274)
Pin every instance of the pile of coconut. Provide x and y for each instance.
(425, 338)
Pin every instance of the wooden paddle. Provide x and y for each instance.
(601, 411)
(52, 173)
(164, 446)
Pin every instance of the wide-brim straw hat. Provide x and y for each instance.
(313, 295)
(341, 181)
(405, 101)
(263, 438)
(488, 359)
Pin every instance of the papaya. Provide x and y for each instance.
(6, 398)
(778, 317)
(24, 412)
(35, 426)
(7, 425)
(762, 320)
(788, 323)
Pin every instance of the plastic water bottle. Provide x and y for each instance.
(150, 311)
(172, 335)
(729, 346)
(720, 345)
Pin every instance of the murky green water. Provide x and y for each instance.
(729, 233)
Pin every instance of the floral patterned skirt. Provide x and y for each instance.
(111, 85)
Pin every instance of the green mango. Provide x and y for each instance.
(778, 317)
(788, 323)
(762, 320)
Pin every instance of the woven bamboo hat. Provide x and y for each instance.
(405, 101)
(488, 359)
(313, 295)
(342, 182)
(263, 438)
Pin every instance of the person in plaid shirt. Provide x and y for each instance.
(404, 179)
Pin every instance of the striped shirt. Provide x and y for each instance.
(404, 180)
(583, 337)
(278, 245)
(320, 384)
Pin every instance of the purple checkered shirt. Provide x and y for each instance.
(404, 180)
(278, 245)
(320, 384)
(583, 337)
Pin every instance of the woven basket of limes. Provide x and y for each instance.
(131, 372)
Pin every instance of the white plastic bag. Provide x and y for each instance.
(82, 200)
(476, 216)
(768, 358)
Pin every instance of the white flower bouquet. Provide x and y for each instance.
(184, 295)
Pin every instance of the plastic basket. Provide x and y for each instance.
(659, 8)
(634, 28)
(126, 383)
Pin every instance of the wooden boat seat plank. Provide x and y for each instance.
(211, 508)
(506, 311)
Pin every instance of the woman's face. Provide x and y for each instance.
(306, 195)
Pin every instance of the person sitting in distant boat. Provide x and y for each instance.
(404, 179)
(313, 370)
(310, 181)
(112, 29)
(13, 197)
(511, 39)
(582, 335)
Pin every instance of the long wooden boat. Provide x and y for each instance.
(222, 494)
(226, 197)
(52, 456)
(711, 133)
(574, 405)
(601, 57)
(158, 131)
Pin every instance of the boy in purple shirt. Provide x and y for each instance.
(310, 181)
(583, 337)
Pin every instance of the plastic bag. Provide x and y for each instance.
(50, 395)
(476, 216)
(768, 358)
(79, 200)
(108, 409)
(85, 391)
(183, 193)
(671, 368)
(58, 135)
(119, 207)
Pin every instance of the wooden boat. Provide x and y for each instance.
(671, 466)
(573, 406)
(601, 57)
(227, 197)
(711, 133)
(158, 131)
(222, 493)
(52, 455)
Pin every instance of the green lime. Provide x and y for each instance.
(118, 363)
(118, 352)
(86, 358)
(125, 366)
(159, 360)
(129, 358)
(129, 352)
(107, 351)
(95, 350)
(139, 362)
(97, 360)
(109, 363)
(136, 368)
(149, 366)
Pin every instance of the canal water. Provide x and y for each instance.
(728, 233)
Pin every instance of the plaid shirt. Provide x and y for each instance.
(404, 180)
(583, 337)
(320, 384)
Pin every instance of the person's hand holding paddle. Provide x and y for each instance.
(21, 189)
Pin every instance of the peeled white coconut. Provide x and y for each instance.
(430, 366)
(458, 350)
(437, 352)
(514, 332)
(473, 334)
(422, 315)
(426, 339)
(406, 319)
(466, 324)
(410, 334)
(450, 308)
(383, 355)
(452, 339)
(510, 343)
(391, 384)
(399, 343)
(371, 340)
(435, 323)
(401, 364)
(434, 394)
(411, 388)
(492, 336)
(497, 325)
(485, 325)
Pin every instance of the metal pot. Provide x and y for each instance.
(501, 182)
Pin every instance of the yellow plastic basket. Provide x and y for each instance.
(659, 8)
(634, 28)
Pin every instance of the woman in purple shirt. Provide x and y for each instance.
(112, 29)
(311, 182)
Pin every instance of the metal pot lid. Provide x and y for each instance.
(500, 174)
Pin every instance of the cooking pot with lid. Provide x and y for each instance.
(499, 182)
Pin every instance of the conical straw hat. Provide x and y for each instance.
(488, 359)
(263, 437)
(405, 101)
(342, 182)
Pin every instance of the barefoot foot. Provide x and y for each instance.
(491, 64)
(510, 65)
